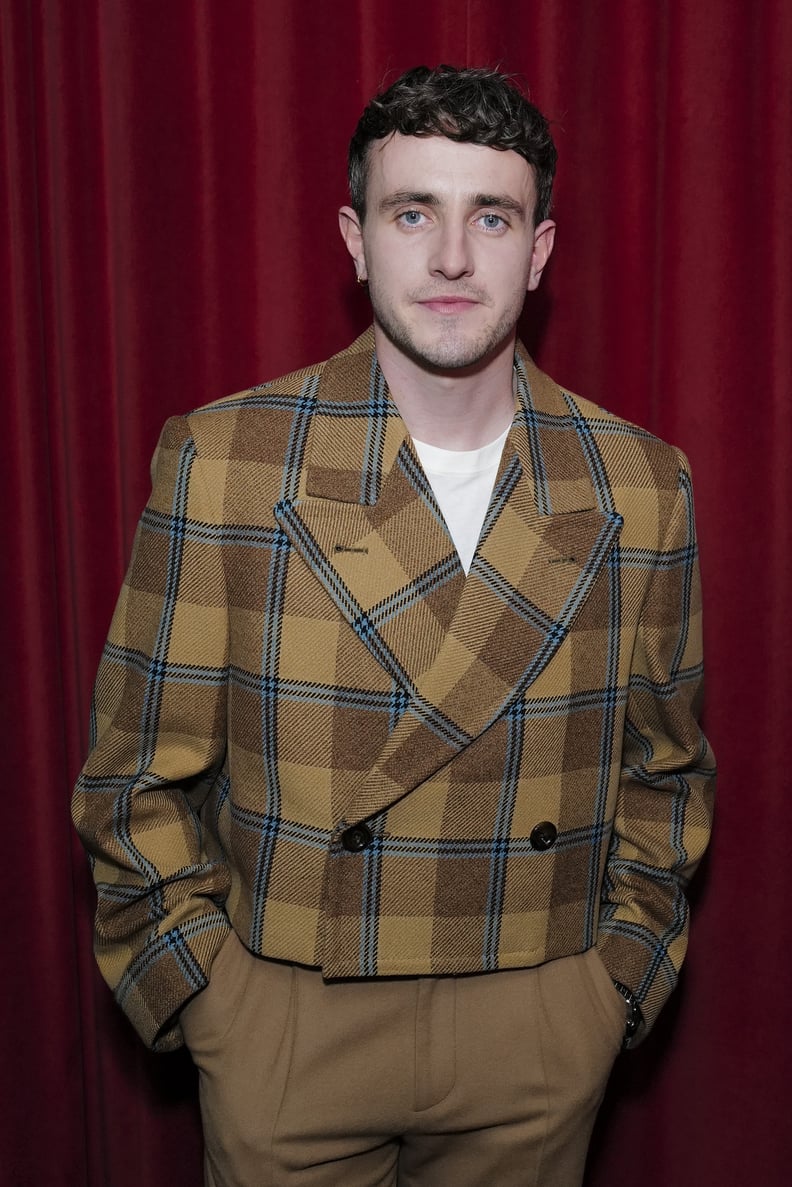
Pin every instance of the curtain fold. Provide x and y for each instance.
(171, 175)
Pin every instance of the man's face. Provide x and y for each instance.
(448, 246)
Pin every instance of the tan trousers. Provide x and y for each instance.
(492, 1080)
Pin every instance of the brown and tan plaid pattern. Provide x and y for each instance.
(296, 651)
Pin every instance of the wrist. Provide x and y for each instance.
(634, 1014)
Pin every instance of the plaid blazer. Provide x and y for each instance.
(310, 725)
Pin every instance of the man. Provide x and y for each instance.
(396, 781)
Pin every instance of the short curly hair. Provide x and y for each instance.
(475, 105)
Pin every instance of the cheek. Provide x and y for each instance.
(391, 270)
(517, 283)
(510, 276)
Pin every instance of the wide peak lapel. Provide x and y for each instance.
(529, 578)
(366, 521)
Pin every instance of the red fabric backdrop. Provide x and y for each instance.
(170, 175)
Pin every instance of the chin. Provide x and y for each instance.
(452, 355)
(453, 361)
(443, 353)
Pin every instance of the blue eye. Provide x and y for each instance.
(492, 222)
(411, 217)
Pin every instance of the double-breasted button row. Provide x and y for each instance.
(358, 837)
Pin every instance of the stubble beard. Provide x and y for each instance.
(453, 348)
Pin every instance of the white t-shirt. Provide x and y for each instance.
(462, 481)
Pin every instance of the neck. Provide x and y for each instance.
(460, 409)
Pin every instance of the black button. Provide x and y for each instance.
(356, 838)
(543, 836)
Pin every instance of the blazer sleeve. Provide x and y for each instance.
(158, 738)
(664, 805)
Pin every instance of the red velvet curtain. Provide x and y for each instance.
(170, 175)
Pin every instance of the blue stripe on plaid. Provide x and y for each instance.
(564, 705)
(677, 823)
(270, 647)
(126, 894)
(93, 732)
(122, 893)
(529, 418)
(607, 534)
(138, 661)
(309, 836)
(223, 792)
(411, 595)
(599, 475)
(437, 722)
(310, 693)
(605, 425)
(640, 771)
(370, 900)
(659, 958)
(501, 834)
(414, 473)
(530, 613)
(609, 699)
(122, 815)
(263, 398)
(304, 409)
(356, 408)
(196, 532)
(648, 559)
(379, 408)
(501, 492)
(102, 784)
(399, 700)
(609, 426)
(626, 870)
(156, 672)
(153, 694)
(666, 690)
(270, 650)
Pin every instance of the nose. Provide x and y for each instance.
(451, 254)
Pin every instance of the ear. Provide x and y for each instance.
(544, 238)
(352, 234)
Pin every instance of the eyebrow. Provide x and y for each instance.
(501, 200)
(419, 198)
(405, 197)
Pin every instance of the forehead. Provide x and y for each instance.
(446, 168)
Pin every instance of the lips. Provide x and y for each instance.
(448, 304)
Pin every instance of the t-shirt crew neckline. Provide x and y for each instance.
(462, 481)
